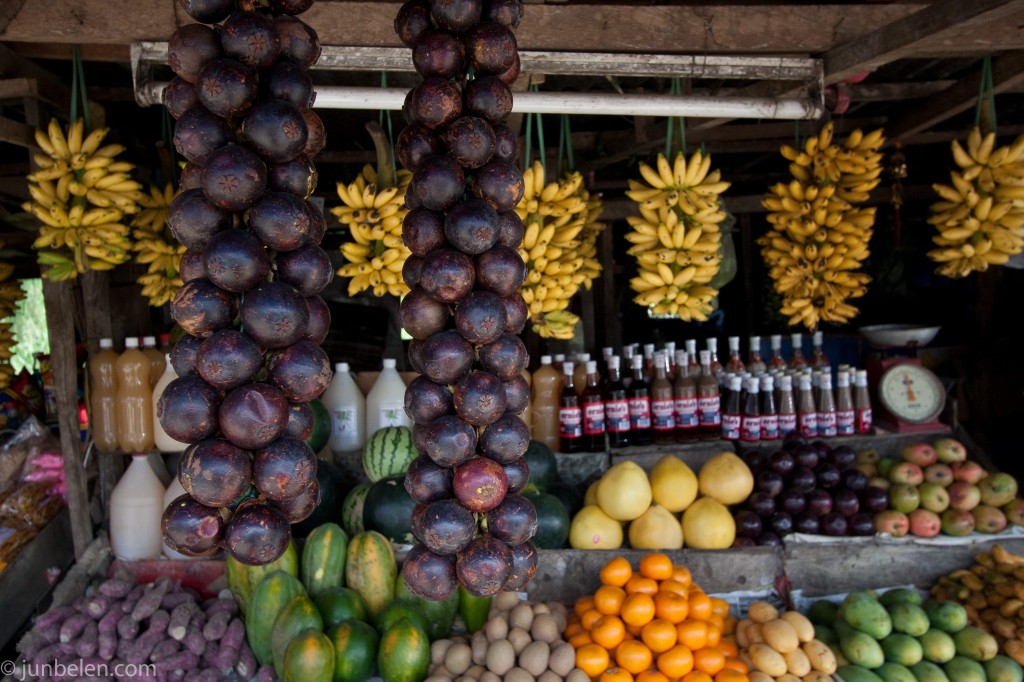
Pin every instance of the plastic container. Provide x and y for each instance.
(161, 440)
(157, 359)
(385, 403)
(103, 397)
(173, 492)
(136, 505)
(544, 391)
(134, 399)
(347, 407)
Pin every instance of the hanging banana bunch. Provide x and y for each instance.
(81, 194)
(560, 220)
(10, 294)
(156, 248)
(819, 236)
(676, 238)
(980, 219)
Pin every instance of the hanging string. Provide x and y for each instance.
(78, 91)
(561, 144)
(676, 88)
(386, 114)
(985, 111)
(571, 162)
(529, 141)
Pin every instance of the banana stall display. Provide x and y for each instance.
(156, 248)
(819, 235)
(81, 195)
(980, 218)
(677, 237)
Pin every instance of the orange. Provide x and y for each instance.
(583, 604)
(697, 676)
(651, 676)
(634, 656)
(719, 607)
(693, 633)
(616, 572)
(728, 647)
(700, 606)
(717, 622)
(608, 599)
(671, 606)
(729, 624)
(682, 574)
(615, 675)
(656, 566)
(659, 635)
(580, 640)
(639, 583)
(709, 660)
(588, 619)
(737, 664)
(633, 631)
(674, 586)
(608, 631)
(592, 659)
(638, 609)
(675, 662)
(727, 675)
(572, 629)
(714, 635)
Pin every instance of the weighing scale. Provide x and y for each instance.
(906, 396)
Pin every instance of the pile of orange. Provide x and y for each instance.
(653, 625)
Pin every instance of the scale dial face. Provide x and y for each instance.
(911, 393)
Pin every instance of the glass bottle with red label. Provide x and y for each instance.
(735, 362)
(862, 402)
(787, 406)
(818, 358)
(709, 406)
(616, 406)
(570, 414)
(755, 363)
(716, 365)
(684, 392)
(777, 361)
(663, 404)
(827, 418)
(639, 397)
(750, 423)
(732, 413)
(846, 415)
(692, 359)
(593, 411)
(769, 413)
(797, 359)
(806, 411)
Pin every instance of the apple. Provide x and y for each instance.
(885, 465)
(920, 454)
(906, 472)
(969, 471)
(893, 522)
(879, 482)
(949, 450)
(869, 469)
(998, 489)
(933, 497)
(963, 495)
(868, 456)
(957, 522)
(938, 473)
(924, 523)
(989, 519)
(1014, 511)
(904, 497)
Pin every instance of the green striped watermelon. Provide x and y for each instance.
(388, 452)
(352, 510)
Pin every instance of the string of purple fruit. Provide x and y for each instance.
(250, 360)
(464, 311)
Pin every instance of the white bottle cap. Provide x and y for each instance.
(341, 367)
(591, 366)
(734, 343)
(559, 357)
(825, 381)
(776, 341)
(786, 382)
(682, 357)
(818, 337)
(753, 383)
(106, 344)
(712, 344)
(691, 346)
(149, 341)
(567, 367)
(389, 363)
(670, 348)
(842, 380)
(755, 343)
(705, 357)
(798, 339)
(545, 359)
(648, 350)
(862, 377)
(637, 361)
(627, 351)
(767, 382)
(584, 358)
(805, 382)
(736, 383)
(614, 362)
(607, 351)
(131, 342)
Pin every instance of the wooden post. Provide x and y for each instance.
(59, 303)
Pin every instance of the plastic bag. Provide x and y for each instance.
(32, 454)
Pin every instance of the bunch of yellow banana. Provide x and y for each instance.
(677, 238)
(373, 215)
(155, 247)
(10, 294)
(80, 194)
(819, 237)
(561, 225)
(981, 216)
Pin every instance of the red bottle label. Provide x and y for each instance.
(769, 427)
(827, 424)
(709, 410)
(750, 429)
(731, 426)
(787, 423)
(640, 413)
(864, 420)
(570, 422)
(616, 414)
(686, 413)
(809, 423)
(593, 419)
(664, 414)
(846, 422)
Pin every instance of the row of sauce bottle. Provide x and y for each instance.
(669, 397)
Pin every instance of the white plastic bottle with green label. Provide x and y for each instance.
(347, 407)
(385, 403)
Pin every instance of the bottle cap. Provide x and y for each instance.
(705, 357)
(805, 382)
(825, 381)
(627, 351)
(648, 350)
(591, 366)
(567, 367)
(614, 362)
(149, 341)
(545, 359)
(786, 382)
(341, 367)
(736, 384)
(559, 357)
(670, 348)
(389, 363)
(862, 377)
(607, 351)
(691, 346)
(584, 358)
(776, 341)
(682, 357)
(106, 344)
(637, 361)
(734, 343)
(131, 342)
(712, 343)
(842, 379)
(755, 343)
(797, 339)
(818, 337)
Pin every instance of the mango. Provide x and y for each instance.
(899, 595)
(867, 615)
(976, 644)
(963, 669)
(1003, 669)
(855, 673)
(826, 635)
(926, 671)
(823, 612)
(947, 616)
(938, 646)
(910, 619)
(861, 649)
(894, 672)
(902, 649)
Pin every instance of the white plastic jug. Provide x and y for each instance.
(347, 407)
(136, 505)
(161, 440)
(385, 403)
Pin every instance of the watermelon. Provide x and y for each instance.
(388, 452)
(543, 467)
(388, 510)
(321, 426)
(552, 521)
(352, 509)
